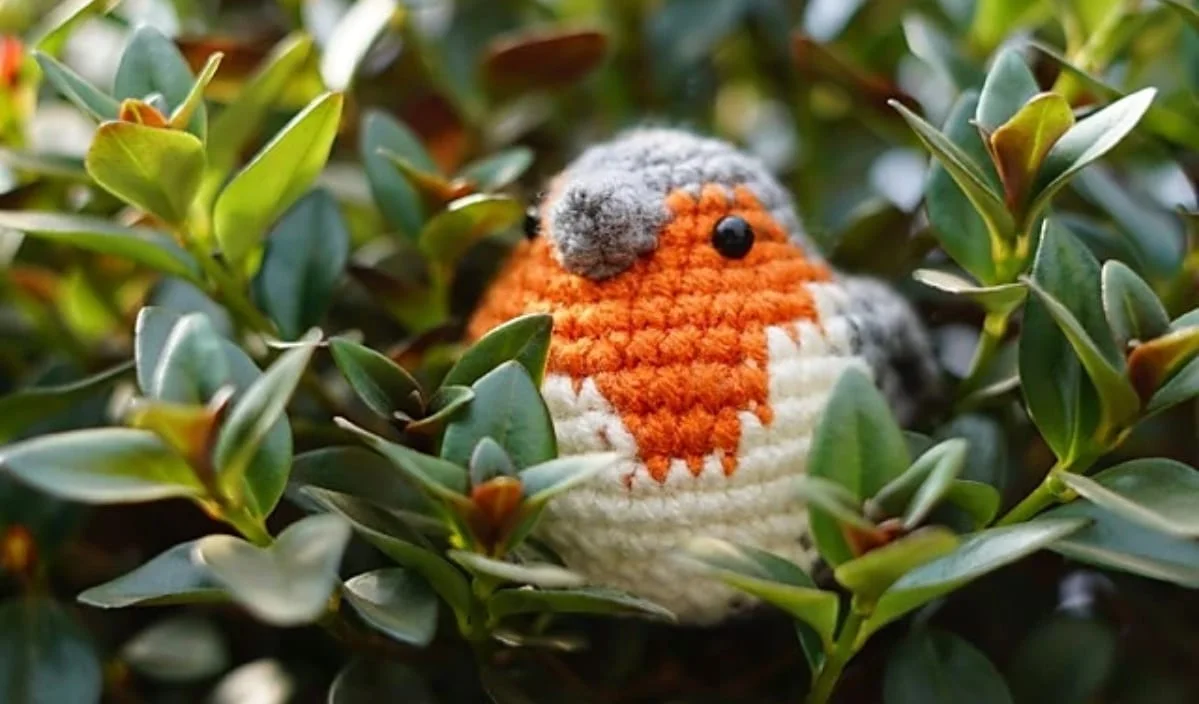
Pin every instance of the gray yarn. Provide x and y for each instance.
(610, 203)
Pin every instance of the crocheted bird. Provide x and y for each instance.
(698, 333)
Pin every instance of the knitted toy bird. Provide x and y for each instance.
(697, 333)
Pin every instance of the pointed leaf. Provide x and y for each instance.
(1151, 363)
(543, 481)
(191, 366)
(380, 529)
(171, 577)
(152, 64)
(858, 445)
(500, 169)
(1133, 310)
(444, 480)
(384, 386)
(509, 409)
(1020, 145)
(76, 89)
(1086, 142)
(581, 600)
(946, 460)
(767, 577)
(544, 575)
(443, 405)
(157, 170)
(101, 466)
(359, 473)
(1113, 542)
(22, 409)
(979, 500)
(872, 574)
(489, 461)
(832, 500)
(1008, 88)
(287, 584)
(394, 196)
(186, 111)
(525, 339)
(276, 177)
(396, 602)
(965, 172)
(977, 555)
(447, 236)
(1183, 386)
(256, 412)
(1001, 299)
(1157, 493)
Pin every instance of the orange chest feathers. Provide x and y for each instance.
(676, 344)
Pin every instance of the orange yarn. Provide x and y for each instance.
(676, 343)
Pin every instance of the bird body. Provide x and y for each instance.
(697, 334)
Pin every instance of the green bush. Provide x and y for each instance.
(254, 170)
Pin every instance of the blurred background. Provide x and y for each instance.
(802, 85)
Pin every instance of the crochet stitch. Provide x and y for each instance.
(706, 373)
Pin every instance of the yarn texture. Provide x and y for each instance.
(708, 374)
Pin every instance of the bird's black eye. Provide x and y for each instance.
(733, 237)
(532, 222)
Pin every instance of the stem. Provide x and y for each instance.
(1050, 491)
(834, 662)
(990, 337)
(251, 527)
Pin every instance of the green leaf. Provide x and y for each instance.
(44, 164)
(498, 170)
(152, 64)
(1008, 88)
(444, 480)
(872, 574)
(1066, 408)
(232, 130)
(443, 405)
(357, 30)
(977, 555)
(380, 529)
(157, 170)
(178, 649)
(979, 500)
(395, 197)
(255, 413)
(538, 574)
(1002, 299)
(276, 177)
(1114, 542)
(525, 339)
(1183, 386)
(191, 365)
(832, 500)
(509, 409)
(26, 407)
(45, 656)
(201, 377)
(582, 600)
(937, 667)
(76, 89)
(362, 474)
(544, 481)
(101, 466)
(1086, 142)
(287, 584)
(489, 461)
(945, 462)
(767, 577)
(384, 386)
(1119, 399)
(465, 221)
(1131, 307)
(59, 23)
(1153, 362)
(171, 577)
(958, 226)
(396, 602)
(306, 254)
(1157, 493)
(965, 172)
(1020, 145)
(193, 105)
(858, 445)
(145, 247)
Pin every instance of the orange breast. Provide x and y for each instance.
(676, 343)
